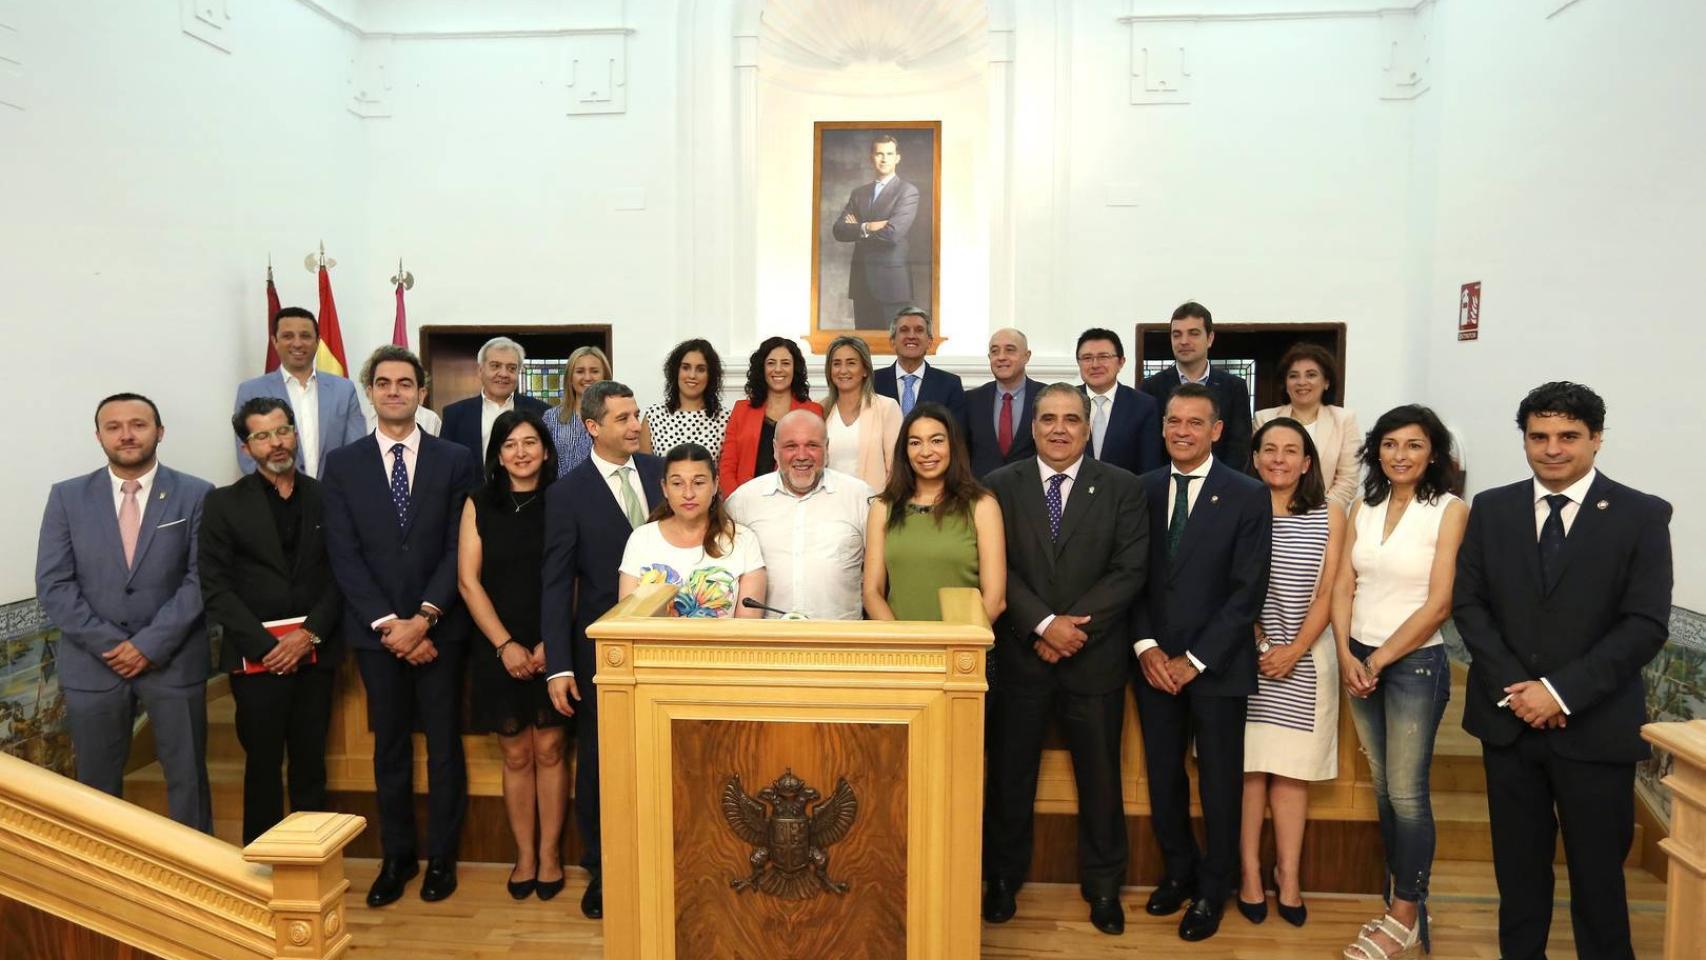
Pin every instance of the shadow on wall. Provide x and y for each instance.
(32, 712)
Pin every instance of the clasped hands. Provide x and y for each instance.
(126, 661)
(1061, 638)
(520, 662)
(1534, 705)
(1164, 673)
(288, 653)
(408, 641)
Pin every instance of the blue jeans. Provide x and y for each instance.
(1397, 724)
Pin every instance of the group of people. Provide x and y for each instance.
(1236, 571)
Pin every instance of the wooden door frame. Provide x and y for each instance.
(1335, 327)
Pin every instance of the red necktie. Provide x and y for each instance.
(1004, 425)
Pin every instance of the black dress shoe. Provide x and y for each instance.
(1201, 921)
(394, 874)
(1107, 915)
(440, 880)
(998, 903)
(1293, 915)
(1169, 897)
(549, 888)
(521, 889)
(592, 902)
(1255, 912)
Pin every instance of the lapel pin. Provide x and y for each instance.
(1603, 504)
(1092, 490)
(1214, 498)
(162, 495)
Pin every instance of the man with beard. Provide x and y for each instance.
(327, 413)
(267, 583)
(810, 523)
(116, 573)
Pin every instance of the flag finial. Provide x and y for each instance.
(404, 278)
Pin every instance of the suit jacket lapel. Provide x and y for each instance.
(1034, 507)
(1079, 502)
(100, 500)
(1590, 519)
(258, 512)
(1204, 513)
(164, 484)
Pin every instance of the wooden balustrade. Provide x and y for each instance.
(1685, 920)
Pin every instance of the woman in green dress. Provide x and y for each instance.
(933, 526)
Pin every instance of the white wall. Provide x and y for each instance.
(141, 189)
(1569, 183)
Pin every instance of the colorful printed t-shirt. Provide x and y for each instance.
(710, 586)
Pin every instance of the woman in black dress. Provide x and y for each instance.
(500, 552)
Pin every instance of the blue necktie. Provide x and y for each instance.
(1052, 498)
(876, 189)
(1552, 539)
(907, 396)
(399, 483)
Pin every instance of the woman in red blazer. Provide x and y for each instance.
(775, 384)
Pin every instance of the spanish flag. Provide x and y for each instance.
(331, 355)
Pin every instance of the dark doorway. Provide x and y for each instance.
(1250, 350)
(449, 352)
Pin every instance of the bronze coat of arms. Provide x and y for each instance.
(788, 858)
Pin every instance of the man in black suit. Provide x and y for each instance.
(1125, 425)
(911, 380)
(1077, 550)
(393, 506)
(588, 516)
(877, 221)
(267, 583)
(999, 413)
(1192, 334)
(1562, 595)
(1208, 549)
(469, 421)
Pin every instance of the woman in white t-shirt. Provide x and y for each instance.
(692, 542)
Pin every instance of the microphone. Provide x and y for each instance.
(752, 604)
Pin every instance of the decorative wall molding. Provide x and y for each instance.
(208, 21)
(11, 57)
(370, 79)
(1160, 73)
(1555, 7)
(596, 73)
(877, 50)
(1408, 40)
(1254, 10)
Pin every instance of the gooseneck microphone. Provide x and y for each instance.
(752, 604)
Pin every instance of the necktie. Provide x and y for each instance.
(1181, 512)
(1052, 498)
(1004, 426)
(1552, 538)
(630, 502)
(876, 189)
(908, 397)
(1099, 423)
(399, 483)
(129, 519)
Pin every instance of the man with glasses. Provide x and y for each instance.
(327, 413)
(267, 583)
(1125, 425)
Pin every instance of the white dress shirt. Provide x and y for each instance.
(1202, 380)
(813, 545)
(611, 472)
(489, 413)
(1194, 488)
(1577, 492)
(147, 484)
(1047, 472)
(305, 404)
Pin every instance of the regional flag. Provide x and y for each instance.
(272, 311)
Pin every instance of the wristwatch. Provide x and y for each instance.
(430, 614)
(313, 637)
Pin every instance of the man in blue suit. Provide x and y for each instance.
(116, 573)
(1191, 334)
(324, 404)
(393, 506)
(910, 380)
(588, 516)
(469, 421)
(1209, 528)
(1125, 425)
(999, 413)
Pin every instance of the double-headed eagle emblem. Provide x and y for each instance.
(788, 859)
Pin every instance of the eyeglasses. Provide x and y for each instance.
(261, 436)
(1097, 357)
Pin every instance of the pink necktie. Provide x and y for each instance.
(129, 519)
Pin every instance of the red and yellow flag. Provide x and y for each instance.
(330, 357)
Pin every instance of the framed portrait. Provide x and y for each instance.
(876, 236)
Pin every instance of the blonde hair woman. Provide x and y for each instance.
(585, 367)
(863, 424)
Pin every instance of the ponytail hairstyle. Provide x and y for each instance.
(720, 534)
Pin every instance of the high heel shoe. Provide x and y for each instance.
(550, 888)
(1254, 912)
(520, 889)
(1296, 916)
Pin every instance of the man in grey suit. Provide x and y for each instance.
(116, 573)
(328, 415)
(877, 221)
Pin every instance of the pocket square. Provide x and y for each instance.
(172, 523)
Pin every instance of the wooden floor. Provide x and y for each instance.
(481, 922)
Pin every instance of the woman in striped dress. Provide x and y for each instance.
(1291, 725)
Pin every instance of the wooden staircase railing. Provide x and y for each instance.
(1685, 921)
(127, 874)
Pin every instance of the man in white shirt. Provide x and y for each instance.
(810, 523)
(469, 421)
(328, 413)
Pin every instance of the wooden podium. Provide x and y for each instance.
(893, 709)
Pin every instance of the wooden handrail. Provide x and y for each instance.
(1685, 888)
(134, 876)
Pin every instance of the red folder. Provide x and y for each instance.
(277, 628)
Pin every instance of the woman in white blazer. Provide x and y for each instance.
(863, 424)
(1310, 374)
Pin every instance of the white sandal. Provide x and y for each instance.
(1365, 948)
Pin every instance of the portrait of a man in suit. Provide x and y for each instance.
(875, 222)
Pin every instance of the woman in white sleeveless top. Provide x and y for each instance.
(1292, 720)
(1388, 605)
